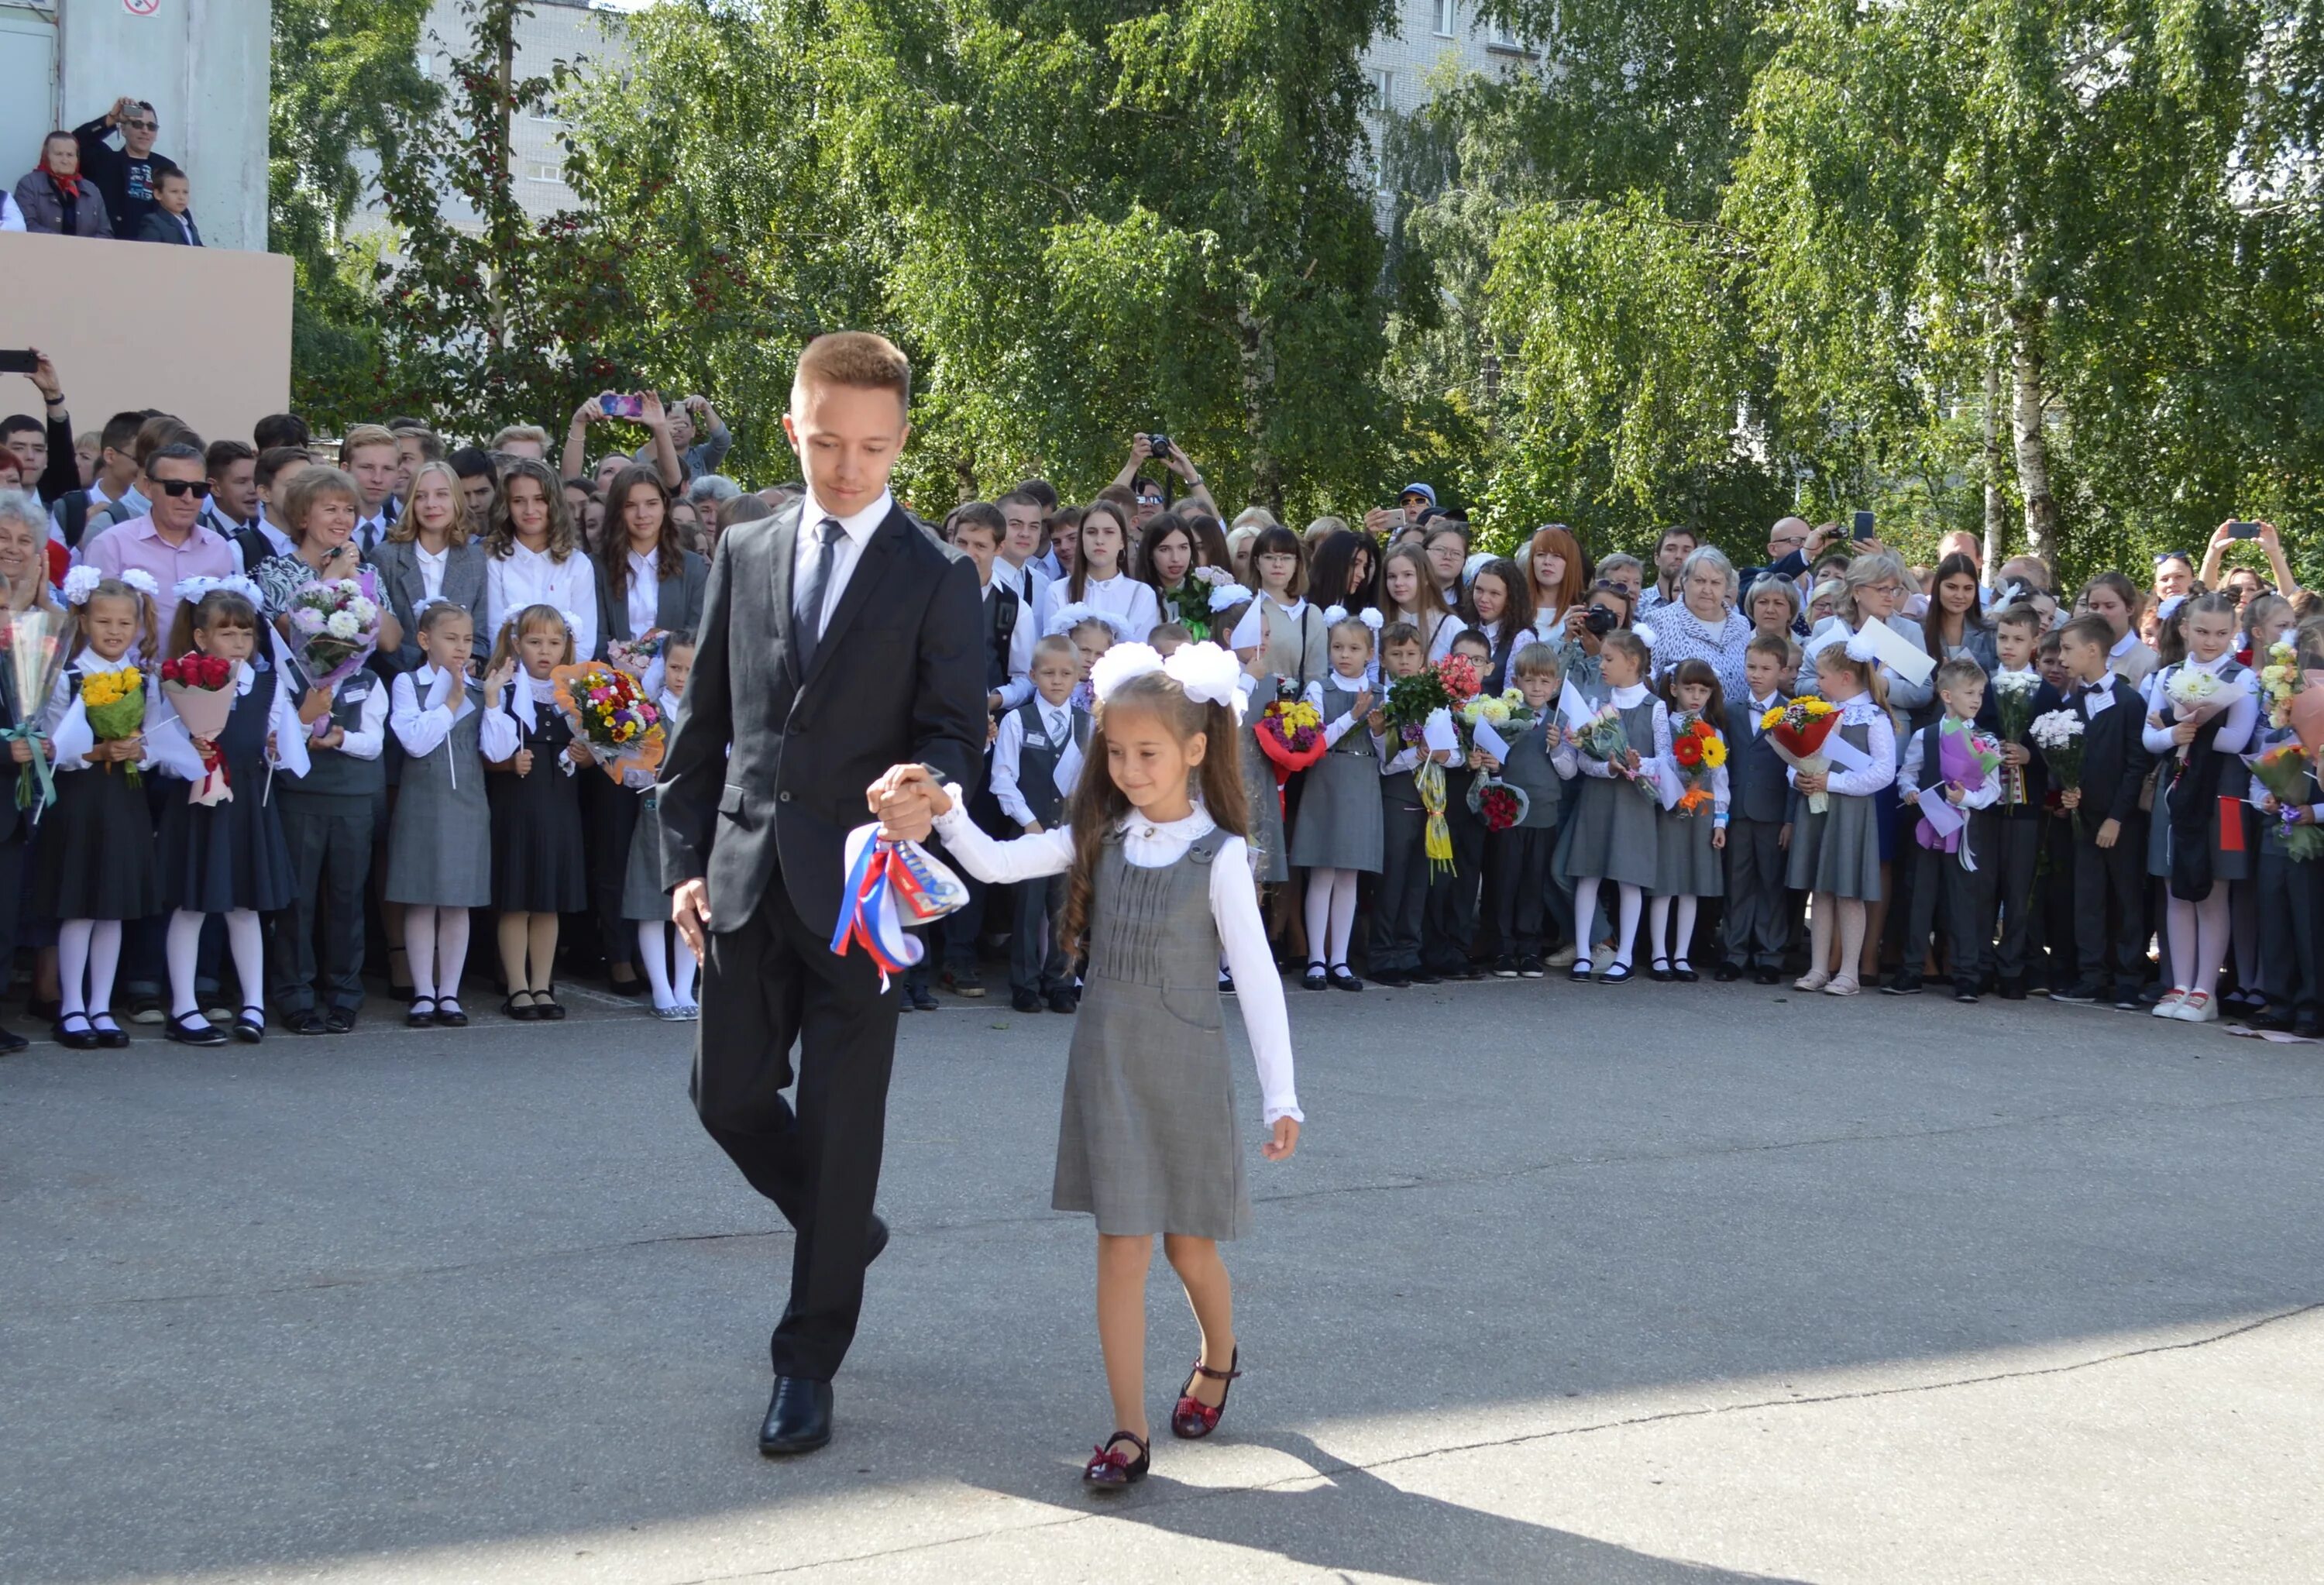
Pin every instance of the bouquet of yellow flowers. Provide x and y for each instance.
(115, 703)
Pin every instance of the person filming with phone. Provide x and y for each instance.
(2223, 538)
(636, 407)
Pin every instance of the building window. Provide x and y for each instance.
(544, 171)
(1383, 90)
(1502, 38)
(1447, 19)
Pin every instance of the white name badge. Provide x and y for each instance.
(2096, 704)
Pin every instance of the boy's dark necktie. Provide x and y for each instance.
(807, 616)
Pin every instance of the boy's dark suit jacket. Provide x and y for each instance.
(898, 676)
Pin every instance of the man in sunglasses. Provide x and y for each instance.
(170, 542)
(126, 176)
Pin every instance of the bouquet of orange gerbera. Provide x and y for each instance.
(1698, 750)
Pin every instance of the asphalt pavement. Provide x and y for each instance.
(1635, 1284)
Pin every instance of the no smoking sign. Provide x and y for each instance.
(141, 7)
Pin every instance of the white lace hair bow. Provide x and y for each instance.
(1205, 672)
(572, 623)
(1227, 596)
(80, 583)
(191, 589)
(1065, 619)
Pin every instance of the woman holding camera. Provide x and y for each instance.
(1583, 632)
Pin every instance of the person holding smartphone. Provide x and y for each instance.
(2271, 545)
(643, 407)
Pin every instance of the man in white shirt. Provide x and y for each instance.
(1020, 547)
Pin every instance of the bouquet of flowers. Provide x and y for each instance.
(334, 630)
(2013, 704)
(1498, 804)
(610, 710)
(35, 643)
(114, 704)
(200, 689)
(1796, 731)
(1698, 750)
(637, 655)
(1411, 701)
(2059, 736)
(2279, 680)
(2283, 771)
(2195, 695)
(1603, 739)
(1291, 733)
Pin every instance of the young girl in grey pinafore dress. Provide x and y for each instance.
(1613, 835)
(2191, 804)
(440, 860)
(1686, 865)
(1836, 854)
(1338, 834)
(1147, 1140)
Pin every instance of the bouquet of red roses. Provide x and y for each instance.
(200, 689)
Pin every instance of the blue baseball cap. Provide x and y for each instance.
(1427, 492)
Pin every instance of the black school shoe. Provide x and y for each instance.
(1766, 976)
(1391, 979)
(1531, 967)
(1727, 973)
(1902, 984)
(1343, 977)
(2078, 993)
(1314, 979)
(1504, 967)
(1024, 1002)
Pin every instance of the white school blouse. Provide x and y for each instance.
(1151, 845)
(2242, 716)
(426, 703)
(529, 577)
(1120, 596)
(1008, 757)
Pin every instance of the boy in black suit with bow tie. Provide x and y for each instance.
(2109, 827)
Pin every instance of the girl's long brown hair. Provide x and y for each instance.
(1077, 582)
(1697, 671)
(564, 540)
(614, 544)
(1098, 804)
(219, 608)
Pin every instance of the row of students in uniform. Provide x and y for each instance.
(487, 816)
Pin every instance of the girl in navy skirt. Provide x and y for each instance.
(537, 862)
(229, 857)
(93, 866)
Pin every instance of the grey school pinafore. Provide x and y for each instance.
(440, 850)
(1612, 826)
(1147, 1140)
(1339, 824)
(1838, 851)
(643, 899)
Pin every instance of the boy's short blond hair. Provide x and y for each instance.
(1536, 660)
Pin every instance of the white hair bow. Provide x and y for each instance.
(1833, 631)
(1862, 646)
(195, 588)
(1642, 634)
(1205, 672)
(1227, 596)
(80, 583)
(1120, 664)
(139, 579)
(1333, 615)
(1370, 617)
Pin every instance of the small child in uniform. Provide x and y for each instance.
(2109, 828)
(1159, 883)
(328, 823)
(1036, 760)
(1689, 847)
(1401, 897)
(670, 963)
(1449, 927)
(1760, 808)
(1338, 836)
(1540, 763)
(1614, 837)
(2289, 904)
(1836, 852)
(230, 857)
(537, 859)
(2019, 814)
(2059, 953)
(2195, 835)
(93, 865)
(1955, 870)
(439, 853)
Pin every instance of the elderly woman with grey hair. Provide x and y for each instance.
(710, 491)
(1703, 624)
(24, 552)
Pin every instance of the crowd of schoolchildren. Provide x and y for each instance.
(2144, 867)
(364, 822)
(221, 884)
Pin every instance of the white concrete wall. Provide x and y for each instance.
(203, 64)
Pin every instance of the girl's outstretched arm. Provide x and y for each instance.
(999, 863)
(1234, 904)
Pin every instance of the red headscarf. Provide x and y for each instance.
(67, 185)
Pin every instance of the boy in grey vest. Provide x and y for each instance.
(327, 818)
